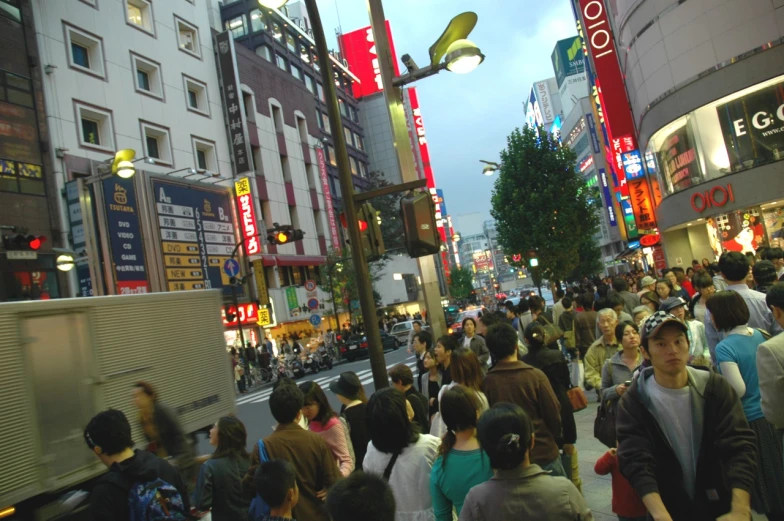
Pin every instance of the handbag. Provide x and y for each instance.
(577, 397)
(604, 425)
(552, 333)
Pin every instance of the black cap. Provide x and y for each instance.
(347, 385)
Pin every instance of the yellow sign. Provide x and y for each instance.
(184, 274)
(242, 187)
(180, 247)
(185, 285)
(261, 281)
(181, 261)
(264, 317)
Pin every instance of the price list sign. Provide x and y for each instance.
(125, 236)
(197, 235)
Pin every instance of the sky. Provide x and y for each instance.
(468, 117)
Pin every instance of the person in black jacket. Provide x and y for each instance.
(683, 441)
(553, 364)
(108, 435)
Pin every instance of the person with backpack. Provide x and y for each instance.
(312, 459)
(219, 487)
(566, 323)
(139, 485)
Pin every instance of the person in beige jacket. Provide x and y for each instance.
(770, 363)
(602, 349)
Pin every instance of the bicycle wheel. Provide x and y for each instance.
(266, 375)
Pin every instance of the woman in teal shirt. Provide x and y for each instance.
(461, 464)
(736, 357)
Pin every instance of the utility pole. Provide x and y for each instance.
(364, 285)
(397, 116)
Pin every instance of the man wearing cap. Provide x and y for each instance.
(647, 284)
(770, 364)
(349, 391)
(683, 440)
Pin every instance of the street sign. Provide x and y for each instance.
(264, 317)
(310, 285)
(313, 303)
(315, 320)
(21, 255)
(231, 267)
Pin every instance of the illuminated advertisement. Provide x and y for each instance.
(608, 201)
(125, 236)
(248, 228)
(642, 203)
(740, 231)
(545, 103)
(359, 50)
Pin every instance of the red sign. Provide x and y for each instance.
(651, 239)
(333, 224)
(245, 314)
(420, 139)
(717, 196)
(658, 257)
(642, 204)
(132, 287)
(359, 50)
(248, 224)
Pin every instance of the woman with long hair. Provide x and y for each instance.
(465, 371)
(518, 488)
(665, 288)
(323, 421)
(351, 395)
(432, 385)
(736, 358)
(650, 299)
(461, 463)
(219, 487)
(400, 454)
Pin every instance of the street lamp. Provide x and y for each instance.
(491, 167)
(122, 164)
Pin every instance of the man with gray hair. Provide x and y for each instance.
(602, 349)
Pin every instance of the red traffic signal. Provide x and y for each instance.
(23, 242)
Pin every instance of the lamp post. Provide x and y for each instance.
(364, 285)
(491, 167)
(459, 55)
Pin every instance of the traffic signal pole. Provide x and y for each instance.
(397, 115)
(366, 301)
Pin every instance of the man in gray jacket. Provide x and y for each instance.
(630, 300)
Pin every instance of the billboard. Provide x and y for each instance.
(567, 58)
(125, 236)
(545, 101)
(238, 129)
(333, 222)
(359, 50)
(608, 201)
(197, 235)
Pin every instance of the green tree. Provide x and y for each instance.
(462, 283)
(339, 271)
(541, 203)
(389, 208)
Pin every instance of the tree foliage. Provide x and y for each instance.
(389, 206)
(462, 282)
(540, 202)
(339, 271)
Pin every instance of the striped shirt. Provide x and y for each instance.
(336, 438)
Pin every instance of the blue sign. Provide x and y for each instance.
(125, 236)
(196, 227)
(315, 320)
(608, 202)
(592, 129)
(231, 267)
(313, 303)
(555, 128)
(632, 165)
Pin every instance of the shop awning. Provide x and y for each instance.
(293, 260)
(628, 252)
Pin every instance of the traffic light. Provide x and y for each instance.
(284, 235)
(419, 224)
(369, 226)
(533, 261)
(23, 242)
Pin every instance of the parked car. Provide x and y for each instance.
(357, 346)
(456, 328)
(401, 330)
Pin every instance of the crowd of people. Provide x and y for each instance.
(484, 428)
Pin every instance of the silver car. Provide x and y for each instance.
(401, 330)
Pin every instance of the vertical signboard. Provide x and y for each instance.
(359, 49)
(261, 281)
(642, 203)
(197, 235)
(248, 227)
(324, 175)
(125, 236)
(292, 302)
(545, 103)
(608, 201)
(79, 239)
(235, 108)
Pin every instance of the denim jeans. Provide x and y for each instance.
(555, 467)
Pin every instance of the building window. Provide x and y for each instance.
(188, 37)
(291, 42)
(296, 72)
(304, 54)
(257, 22)
(320, 90)
(319, 120)
(277, 118)
(343, 110)
(327, 128)
(309, 83)
(157, 143)
(333, 160)
(264, 52)
(86, 51)
(276, 32)
(205, 154)
(95, 127)
(354, 169)
(281, 62)
(362, 169)
(21, 178)
(359, 142)
(237, 26)
(10, 9)
(196, 96)
(16, 89)
(347, 134)
(148, 76)
(139, 14)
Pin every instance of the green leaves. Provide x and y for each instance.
(462, 282)
(541, 203)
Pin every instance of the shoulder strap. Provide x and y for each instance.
(263, 456)
(388, 470)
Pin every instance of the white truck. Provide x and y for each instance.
(64, 360)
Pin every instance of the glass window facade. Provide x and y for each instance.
(257, 21)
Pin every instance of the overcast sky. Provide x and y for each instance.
(467, 117)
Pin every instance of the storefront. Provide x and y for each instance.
(720, 172)
(28, 279)
(244, 316)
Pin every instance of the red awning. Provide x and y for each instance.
(293, 260)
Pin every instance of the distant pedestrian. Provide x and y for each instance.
(630, 300)
(416, 327)
(443, 351)
(475, 343)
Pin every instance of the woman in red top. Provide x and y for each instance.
(626, 504)
(323, 421)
